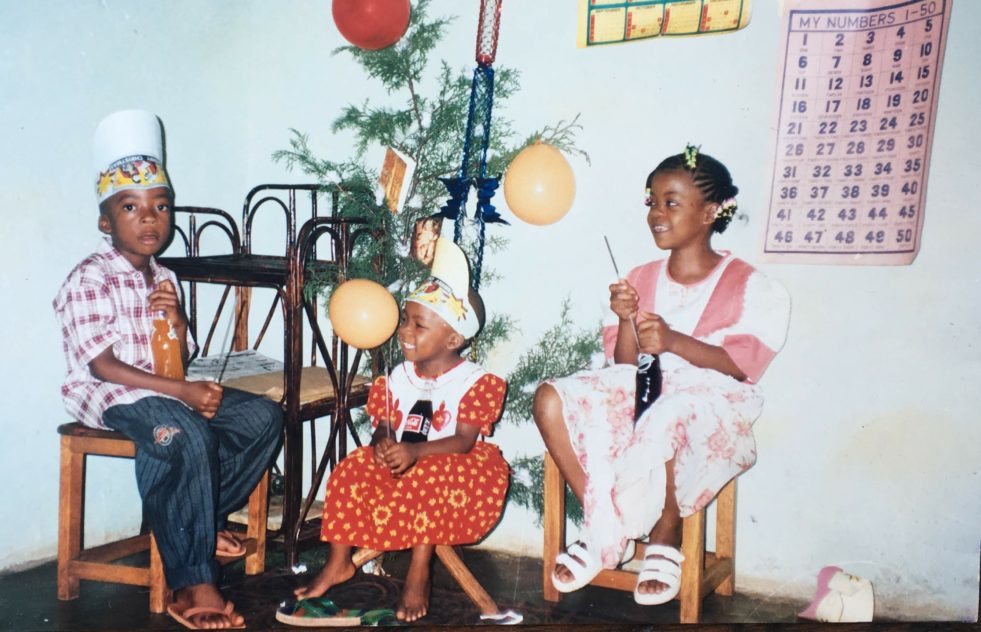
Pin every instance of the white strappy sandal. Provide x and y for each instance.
(583, 569)
(662, 563)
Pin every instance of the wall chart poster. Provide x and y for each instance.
(616, 21)
(856, 107)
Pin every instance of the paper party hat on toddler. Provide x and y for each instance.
(447, 291)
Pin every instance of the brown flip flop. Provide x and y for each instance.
(238, 551)
(184, 616)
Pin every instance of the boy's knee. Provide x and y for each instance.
(270, 416)
(269, 409)
(195, 441)
(273, 413)
(258, 410)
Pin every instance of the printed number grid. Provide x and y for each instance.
(856, 113)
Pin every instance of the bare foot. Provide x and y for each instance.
(205, 596)
(337, 570)
(227, 544)
(414, 602)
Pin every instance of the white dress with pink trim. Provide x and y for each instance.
(703, 418)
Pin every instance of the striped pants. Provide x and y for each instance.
(191, 472)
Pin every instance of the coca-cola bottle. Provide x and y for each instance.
(418, 421)
(166, 348)
(648, 382)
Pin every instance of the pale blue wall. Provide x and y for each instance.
(869, 443)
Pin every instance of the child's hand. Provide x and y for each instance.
(400, 457)
(623, 300)
(204, 397)
(382, 446)
(655, 335)
(164, 299)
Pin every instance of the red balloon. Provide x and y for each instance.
(371, 24)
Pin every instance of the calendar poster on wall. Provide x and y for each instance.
(604, 22)
(856, 107)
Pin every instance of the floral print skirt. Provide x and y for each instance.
(442, 499)
(703, 419)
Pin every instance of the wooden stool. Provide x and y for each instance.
(76, 563)
(459, 571)
(701, 573)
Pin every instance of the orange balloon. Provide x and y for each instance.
(539, 185)
(363, 313)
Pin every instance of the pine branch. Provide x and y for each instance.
(560, 351)
(431, 128)
(527, 482)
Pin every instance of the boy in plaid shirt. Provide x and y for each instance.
(201, 449)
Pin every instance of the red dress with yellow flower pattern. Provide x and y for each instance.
(443, 498)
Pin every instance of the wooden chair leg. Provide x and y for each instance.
(693, 568)
(725, 535)
(255, 563)
(160, 595)
(553, 521)
(467, 581)
(697, 578)
(363, 556)
(72, 477)
(459, 571)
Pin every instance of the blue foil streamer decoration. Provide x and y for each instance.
(485, 191)
(457, 188)
(480, 107)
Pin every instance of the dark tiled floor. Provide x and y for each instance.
(28, 600)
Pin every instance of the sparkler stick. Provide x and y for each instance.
(617, 270)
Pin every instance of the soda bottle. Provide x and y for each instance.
(648, 382)
(166, 348)
(418, 421)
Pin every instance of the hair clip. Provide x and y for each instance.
(691, 156)
(726, 209)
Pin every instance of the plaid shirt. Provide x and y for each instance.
(103, 303)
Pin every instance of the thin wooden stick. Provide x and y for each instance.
(617, 270)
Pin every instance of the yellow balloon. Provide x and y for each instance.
(539, 185)
(363, 313)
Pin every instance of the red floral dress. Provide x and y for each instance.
(442, 499)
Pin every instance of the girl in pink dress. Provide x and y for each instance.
(716, 323)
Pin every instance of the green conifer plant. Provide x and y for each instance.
(429, 126)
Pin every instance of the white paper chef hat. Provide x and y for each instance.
(128, 153)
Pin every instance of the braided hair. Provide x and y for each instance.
(710, 176)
